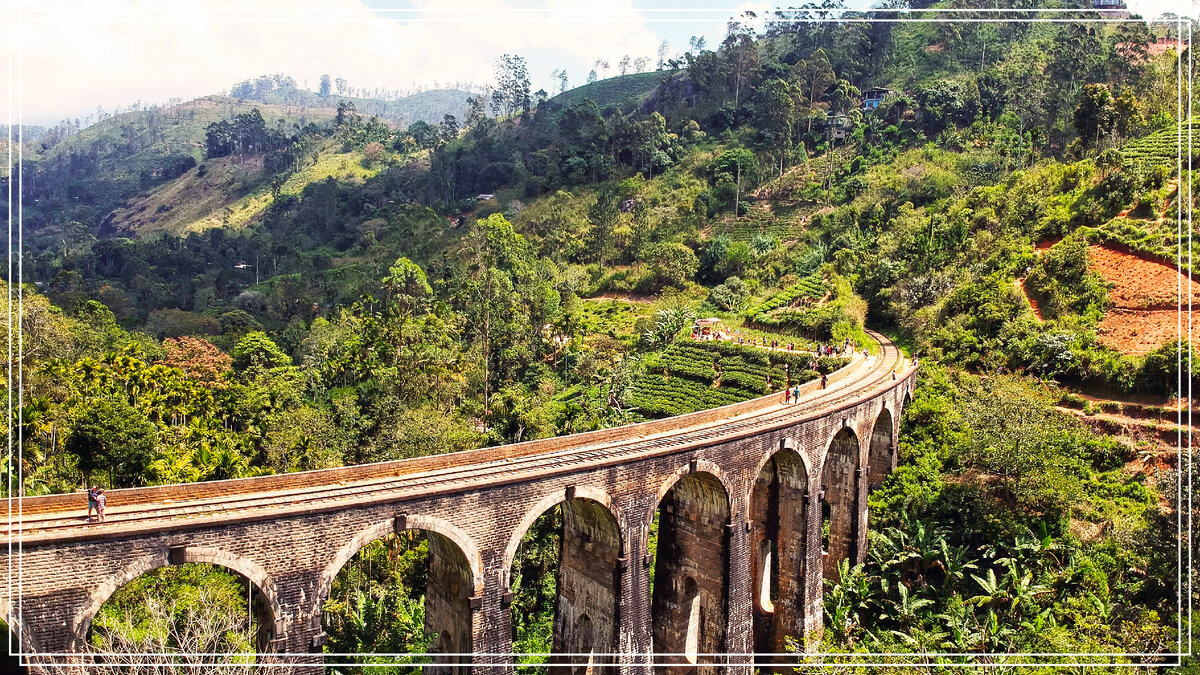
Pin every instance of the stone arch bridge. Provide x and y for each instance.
(753, 503)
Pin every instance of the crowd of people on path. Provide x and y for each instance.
(792, 393)
(847, 348)
(96, 500)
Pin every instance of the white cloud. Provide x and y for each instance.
(78, 54)
(1151, 9)
(113, 52)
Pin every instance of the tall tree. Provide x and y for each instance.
(603, 214)
(512, 93)
(1094, 114)
(815, 76)
(741, 56)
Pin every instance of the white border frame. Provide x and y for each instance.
(1001, 16)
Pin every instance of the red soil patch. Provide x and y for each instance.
(1146, 300)
(1045, 244)
(1141, 283)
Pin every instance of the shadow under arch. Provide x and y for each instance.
(689, 598)
(881, 453)
(21, 638)
(453, 584)
(259, 581)
(588, 580)
(840, 473)
(778, 512)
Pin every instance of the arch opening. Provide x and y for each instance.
(10, 660)
(565, 584)
(406, 592)
(881, 457)
(839, 481)
(691, 563)
(194, 613)
(779, 529)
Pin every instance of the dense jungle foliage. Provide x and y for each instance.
(534, 272)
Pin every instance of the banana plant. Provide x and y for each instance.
(904, 611)
(847, 601)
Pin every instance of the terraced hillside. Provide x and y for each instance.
(1161, 148)
(691, 376)
(629, 88)
(761, 220)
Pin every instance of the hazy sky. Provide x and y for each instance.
(70, 56)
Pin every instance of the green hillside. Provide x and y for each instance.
(230, 192)
(87, 175)
(622, 91)
(429, 106)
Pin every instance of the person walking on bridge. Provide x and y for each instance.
(824, 381)
(787, 396)
(796, 393)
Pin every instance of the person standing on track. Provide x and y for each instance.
(92, 500)
(101, 500)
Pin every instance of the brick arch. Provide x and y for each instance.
(701, 466)
(587, 594)
(548, 502)
(777, 557)
(851, 426)
(881, 448)
(785, 445)
(381, 529)
(82, 621)
(839, 477)
(689, 605)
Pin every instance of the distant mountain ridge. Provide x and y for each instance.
(429, 106)
(72, 186)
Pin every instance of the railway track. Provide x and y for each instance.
(56, 518)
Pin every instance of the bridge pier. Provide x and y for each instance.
(587, 612)
(779, 553)
(841, 483)
(689, 605)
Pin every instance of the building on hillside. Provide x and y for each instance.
(874, 96)
(1113, 9)
(838, 127)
